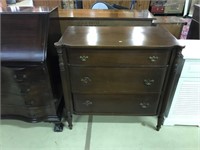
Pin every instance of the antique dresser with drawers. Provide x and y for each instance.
(30, 89)
(118, 70)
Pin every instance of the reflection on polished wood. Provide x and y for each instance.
(89, 17)
(26, 10)
(172, 23)
(136, 36)
(109, 14)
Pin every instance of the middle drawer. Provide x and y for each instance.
(116, 80)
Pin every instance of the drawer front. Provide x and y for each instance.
(138, 104)
(30, 113)
(26, 86)
(118, 57)
(116, 80)
(191, 69)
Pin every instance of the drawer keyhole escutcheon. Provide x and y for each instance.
(144, 105)
(85, 80)
(148, 82)
(84, 58)
(87, 103)
(153, 58)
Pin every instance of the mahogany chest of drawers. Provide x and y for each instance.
(30, 90)
(118, 70)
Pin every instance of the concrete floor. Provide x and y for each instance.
(99, 133)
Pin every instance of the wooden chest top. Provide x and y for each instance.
(117, 37)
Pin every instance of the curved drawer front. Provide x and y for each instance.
(27, 86)
(138, 104)
(28, 113)
(119, 57)
(116, 80)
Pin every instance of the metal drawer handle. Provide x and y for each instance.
(148, 82)
(30, 102)
(144, 105)
(85, 80)
(87, 103)
(153, 58)
(84, 58)
(19, 78)
(25, 91)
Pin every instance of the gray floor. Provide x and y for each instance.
(99, 133)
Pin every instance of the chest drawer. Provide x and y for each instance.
(28, 86)
(118, 57)
(30, 113)
(138, 104)
(114, 80)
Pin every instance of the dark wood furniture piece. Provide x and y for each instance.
(30, 89)
(89, 17)
(194, 32)
(118, 70)
(172, 23)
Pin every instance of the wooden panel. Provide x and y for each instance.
(3, 3)
(50, 3)
(138, 104)
(174, 29)
(142, 4)
(116, 80)
(119, 57)
(16, 44)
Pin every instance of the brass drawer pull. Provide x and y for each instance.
(25, 91)
(148, 82)
(30, 102)
(153, 58)
(144, 105)
(87, 103)
(84, 58)
(19, 78)
(85, 80)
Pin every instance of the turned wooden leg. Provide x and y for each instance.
(69, 120)
(160, 122)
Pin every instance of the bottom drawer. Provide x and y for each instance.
(30, 114)
(137, 104)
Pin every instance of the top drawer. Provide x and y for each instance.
(118, 57)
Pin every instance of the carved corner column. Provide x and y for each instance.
(173, 77)
(64, 72)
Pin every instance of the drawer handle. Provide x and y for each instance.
(85, 80)
(87, 103)
(25, 91)
(153, 58)
(19, 78)
(30, 102)
(84, 58)
(144, 105)
(148, 82)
